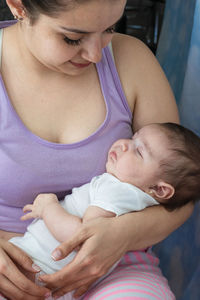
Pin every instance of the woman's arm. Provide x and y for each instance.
(152, 225)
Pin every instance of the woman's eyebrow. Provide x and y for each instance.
(75, 30)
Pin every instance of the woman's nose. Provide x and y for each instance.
(93, 50)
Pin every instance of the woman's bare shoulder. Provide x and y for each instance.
(143, 81)
(134, 59)
(132, 56)
(132, 51)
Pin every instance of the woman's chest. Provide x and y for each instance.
(31, 165)
(54, 138)
(59, 111)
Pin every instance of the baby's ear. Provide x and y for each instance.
(162, 191)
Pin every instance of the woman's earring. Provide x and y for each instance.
(18, 18)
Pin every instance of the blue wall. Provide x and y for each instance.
(179, 55)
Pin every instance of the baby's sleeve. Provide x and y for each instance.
(107, 192)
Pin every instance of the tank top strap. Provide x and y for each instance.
(1, 42)
(111, 80)
(111, 50)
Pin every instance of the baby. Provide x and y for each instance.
(159, 165)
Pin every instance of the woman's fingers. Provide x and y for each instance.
(67, 247)
(12, 281)
(57, 279)
(24, 284)
(79, 274)
(16, 279)
(10, 291)
(19, 256)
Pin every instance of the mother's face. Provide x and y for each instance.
(70, 42)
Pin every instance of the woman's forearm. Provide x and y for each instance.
(152, 225)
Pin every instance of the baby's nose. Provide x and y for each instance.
(124, 147)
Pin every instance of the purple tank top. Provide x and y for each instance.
(30, 165)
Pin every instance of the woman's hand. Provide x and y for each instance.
(102, 244)
(13, 284)
(105, 240)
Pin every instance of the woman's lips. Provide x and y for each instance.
(78, 65)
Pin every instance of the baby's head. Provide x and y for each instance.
(161, 159)
(181, 168)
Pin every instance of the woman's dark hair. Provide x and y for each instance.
(181, 167)
(47, 7)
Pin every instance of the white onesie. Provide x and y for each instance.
(104, 191)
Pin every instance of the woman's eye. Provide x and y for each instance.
(110, 30)
(78, 41)
(72, 42)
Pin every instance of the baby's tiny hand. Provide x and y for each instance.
(32, 213)
(37, 209)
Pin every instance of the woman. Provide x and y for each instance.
(64, 100)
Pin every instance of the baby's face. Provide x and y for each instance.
(137, 160)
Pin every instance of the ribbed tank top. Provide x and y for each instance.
(31, 165)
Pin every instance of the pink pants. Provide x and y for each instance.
(136, 277)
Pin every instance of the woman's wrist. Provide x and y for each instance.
(126, 227)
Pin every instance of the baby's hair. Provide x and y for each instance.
(181, 168)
